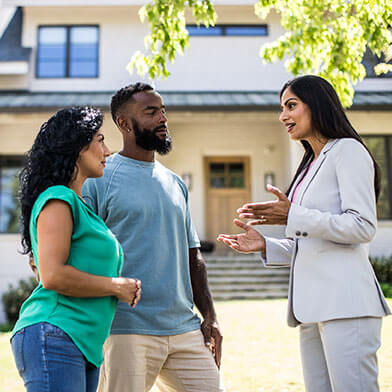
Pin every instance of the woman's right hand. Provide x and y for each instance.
(248, 242)
(127, 290)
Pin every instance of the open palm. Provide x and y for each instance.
(249, 241)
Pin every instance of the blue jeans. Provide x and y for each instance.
(49, 361)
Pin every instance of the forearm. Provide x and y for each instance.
(349, 227)
(68, 280)
(201, 293)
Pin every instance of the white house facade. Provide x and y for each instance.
(222, 103)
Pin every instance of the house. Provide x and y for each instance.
(222, 104)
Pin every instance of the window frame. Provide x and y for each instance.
(9, 161)
(225, 26)
(68, 28)
(388, 157)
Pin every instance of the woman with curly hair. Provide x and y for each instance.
(57, 341)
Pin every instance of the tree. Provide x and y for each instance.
(324, 37)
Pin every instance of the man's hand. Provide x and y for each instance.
(213, 339)
(269, 212)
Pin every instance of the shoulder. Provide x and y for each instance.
(56, 193)
(61, 192)
(175, 177)
(349, 145)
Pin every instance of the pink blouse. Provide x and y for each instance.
(298, 187)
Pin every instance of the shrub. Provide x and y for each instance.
(383, 269)
(14, 298)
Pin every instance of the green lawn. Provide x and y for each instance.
(260, 352)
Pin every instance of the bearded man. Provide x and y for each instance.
(146, 207)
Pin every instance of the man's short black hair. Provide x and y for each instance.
(125, 94)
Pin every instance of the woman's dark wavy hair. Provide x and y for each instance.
(328, 117)
(53, 156)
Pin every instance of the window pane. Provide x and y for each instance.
(217, 182)
(83, 69)
(377, 147)
(9, 206)
(246, 30)
(52, 52)
(204, 31)
(52, 35)
(236, 182)
(51, 58)
(84, 52)
(51, 69)
(217, 168)
(237, 168)
(84, 35)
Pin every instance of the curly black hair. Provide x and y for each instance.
(125, 94)
(53, 156)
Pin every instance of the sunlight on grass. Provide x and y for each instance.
(261, 354)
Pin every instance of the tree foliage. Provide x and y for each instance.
(168, 34)
(324, 37)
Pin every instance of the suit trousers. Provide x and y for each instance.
(177, 363)
(341, 355)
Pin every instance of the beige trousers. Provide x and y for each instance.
(340, 355)
(177, 363)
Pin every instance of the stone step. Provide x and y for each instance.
(250, 287)
(249, 295)
(246, 279)
(246, 272)
(247, 265)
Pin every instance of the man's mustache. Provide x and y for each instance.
(161, 128)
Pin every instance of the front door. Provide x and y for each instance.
(227, 189)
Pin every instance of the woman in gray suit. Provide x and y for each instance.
(330, 216)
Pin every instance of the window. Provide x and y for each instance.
(381, 149)
(228, 30)
(67, 52)
(369, 61)
(10, 167)
(227, 175)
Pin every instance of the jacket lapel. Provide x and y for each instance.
(314, 169)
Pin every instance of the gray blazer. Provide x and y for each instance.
(328, 229)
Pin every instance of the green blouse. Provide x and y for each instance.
(94, 249)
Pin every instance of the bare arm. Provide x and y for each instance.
(203, 300)
(54, 232)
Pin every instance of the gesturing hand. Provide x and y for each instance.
(273, 212)
(248, 242)
(213, 339)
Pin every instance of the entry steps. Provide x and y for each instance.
(245, 277)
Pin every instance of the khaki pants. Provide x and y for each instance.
(178, 363)
(340, 355)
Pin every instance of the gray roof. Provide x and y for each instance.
(11, 41)
(212, 100)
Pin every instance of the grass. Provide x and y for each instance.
(260, 352)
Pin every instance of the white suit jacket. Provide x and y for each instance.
(327, 232)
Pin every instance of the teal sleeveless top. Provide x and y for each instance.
(95, 250)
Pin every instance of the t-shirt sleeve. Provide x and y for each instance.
(55, 193)
(89, 194)
(94, 194)
(193, 239)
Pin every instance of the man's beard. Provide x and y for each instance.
(147, 138)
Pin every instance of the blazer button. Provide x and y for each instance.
(297, 233)
(305, 234)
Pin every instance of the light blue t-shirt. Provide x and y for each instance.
(146, 206)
